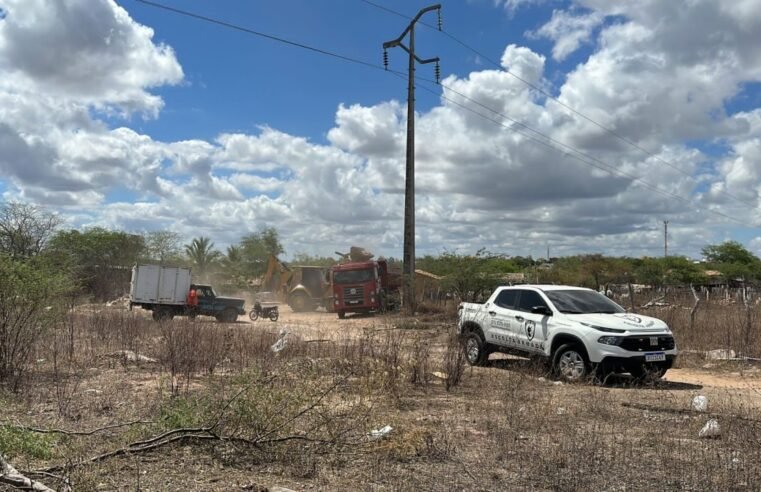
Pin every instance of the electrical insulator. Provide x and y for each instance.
(439, 11)
(437, 70)
(385, 59)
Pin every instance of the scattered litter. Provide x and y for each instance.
(440, 375)
(48, 308)
(560, 411)
(710, 430)
(721, 354)
(522, 438)
(131, 356)
(280, 489)
(124, 300)
(94, 391)
(542, 379)
(381, 433)
(281, 343)
(40, 361)
(700, 403)
(558, 383)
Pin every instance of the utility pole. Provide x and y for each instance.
(409, 187)
(665, 238)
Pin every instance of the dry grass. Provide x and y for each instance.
(502, 427)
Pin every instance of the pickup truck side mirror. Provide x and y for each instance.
(544, 310)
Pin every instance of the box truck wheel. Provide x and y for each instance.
(161, 313)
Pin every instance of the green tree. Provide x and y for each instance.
(682, 271)
(733, 260)
(202, 254)
(256, 248)
(100, 260)
(729, 252)
(312, 260)
(25, 229)
(468, 276)
(162, 246)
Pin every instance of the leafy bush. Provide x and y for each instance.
(29, 290)
(17, 442)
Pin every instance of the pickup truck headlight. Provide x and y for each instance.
(610, 340)
(602, 328)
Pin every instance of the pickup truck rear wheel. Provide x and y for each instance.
(570, 363)
(475, 349)
(229, 315)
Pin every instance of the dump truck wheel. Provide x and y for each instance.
(301, 303)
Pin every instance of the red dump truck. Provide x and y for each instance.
(364, 287)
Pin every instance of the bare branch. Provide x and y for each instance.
(77, 433)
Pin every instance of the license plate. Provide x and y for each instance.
(658, 356)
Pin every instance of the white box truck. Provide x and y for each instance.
(164, 290)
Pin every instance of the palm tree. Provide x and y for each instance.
(202, 254)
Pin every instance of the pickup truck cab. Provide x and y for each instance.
(577, 330)
(225, 309)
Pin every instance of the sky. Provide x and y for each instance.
(579, 126)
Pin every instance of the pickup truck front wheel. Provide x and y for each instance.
(475, 349)
(570, 363)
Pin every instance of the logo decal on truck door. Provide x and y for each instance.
(530, 329)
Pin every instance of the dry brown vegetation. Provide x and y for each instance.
(214, 408)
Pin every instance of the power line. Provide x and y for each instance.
(557, 100)
(575, 153)
(257, 33)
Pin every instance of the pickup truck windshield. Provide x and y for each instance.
(353, 276)
(582, 302)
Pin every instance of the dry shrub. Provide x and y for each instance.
(179, 352)
(720, 322)
(419, 361)
(454, 362)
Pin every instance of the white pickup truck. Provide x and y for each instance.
(578, 330)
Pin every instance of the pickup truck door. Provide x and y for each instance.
(533, 328)
(501, 325)
(206, 300)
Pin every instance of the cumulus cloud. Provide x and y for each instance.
(84, 50)
(480, 181)
(569, 30)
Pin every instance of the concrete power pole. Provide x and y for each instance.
(665, 238)
(409, 188)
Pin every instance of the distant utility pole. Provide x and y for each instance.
(409, 188)
(665, 238)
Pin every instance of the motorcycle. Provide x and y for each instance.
(258, 310)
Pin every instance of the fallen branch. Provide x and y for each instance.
(652, 302)
(76, 433)
(208, 433)
(10, 476)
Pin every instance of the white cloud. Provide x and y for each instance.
(659, 84)
(569, 30)
(86, 51)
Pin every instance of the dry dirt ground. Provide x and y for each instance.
(506, 426)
